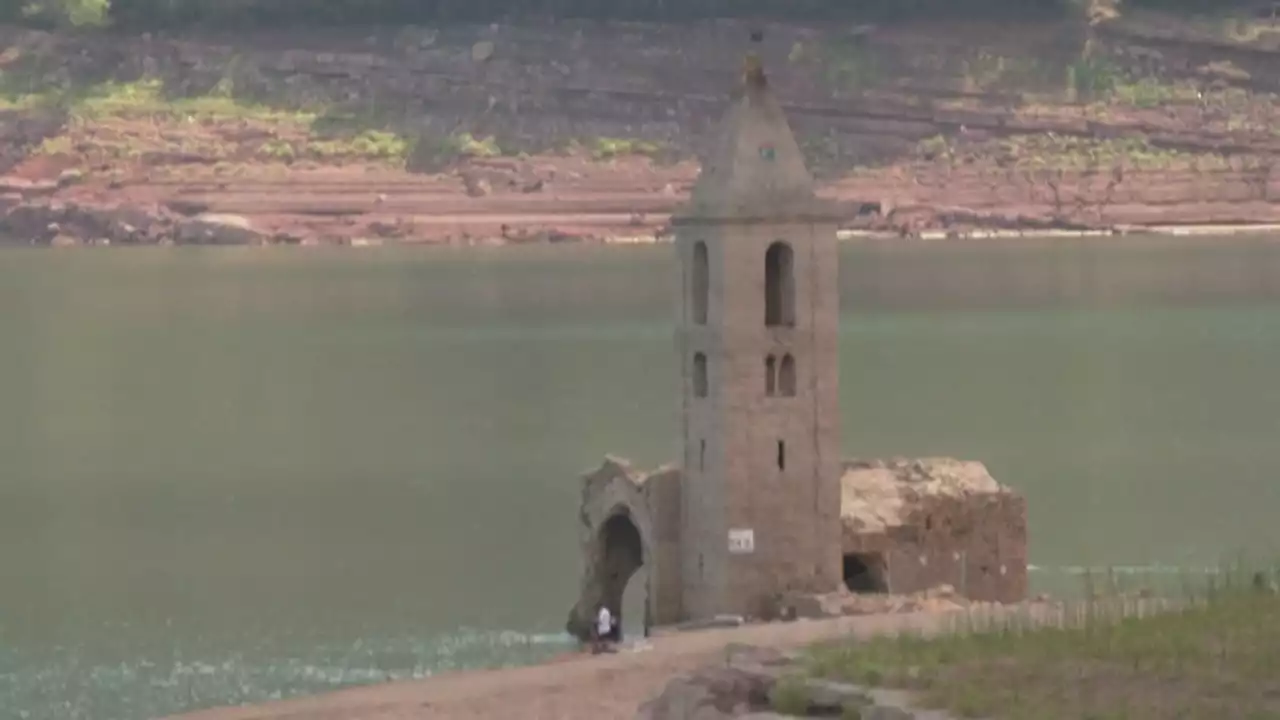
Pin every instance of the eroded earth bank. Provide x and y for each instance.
(577, 131)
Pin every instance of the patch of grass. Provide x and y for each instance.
(20, 101)
(277, 149)
(206, 125)
(1079, 153)
(1090, 78)
(1213, 657)
(606, 148)
(367, 144)
(790, 696)
(936, 148)
(23, 89)
(66, 13)
(1098, 80)
(373, 144)
(57, 145)
(146, 98)
(435, 152)
(465, 144)
(1151, 92)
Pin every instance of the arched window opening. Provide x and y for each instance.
(699, 375)
(770, 376)
(701, 283)
(787, 376)
(779, 286)
(782, 455)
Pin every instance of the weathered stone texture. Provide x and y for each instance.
(936, 532)
(936, 521)
(616, 497)
(759, 294)
(758, 341)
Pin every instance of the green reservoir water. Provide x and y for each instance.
(231, 475)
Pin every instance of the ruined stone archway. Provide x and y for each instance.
(629, 533)
(615, 538)
(621, 556)
(615, 553)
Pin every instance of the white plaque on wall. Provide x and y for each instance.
(742, 541)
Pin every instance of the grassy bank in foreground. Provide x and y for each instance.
(1218, 657)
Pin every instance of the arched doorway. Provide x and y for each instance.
(621, 551)
(622, 515)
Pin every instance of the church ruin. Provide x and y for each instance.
(762, 509)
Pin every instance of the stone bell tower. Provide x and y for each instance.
(760, 507)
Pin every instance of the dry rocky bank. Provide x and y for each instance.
(384, 136)
(757, 683)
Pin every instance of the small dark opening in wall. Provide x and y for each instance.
(868, 208)
(787, 376)
(865, 573)
(928, 522)
(782, 455)
(699, 375)
(702, 454)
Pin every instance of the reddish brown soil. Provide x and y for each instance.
(918, 151)
(561, 199)
(551, 199)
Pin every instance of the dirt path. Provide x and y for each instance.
(585, 688)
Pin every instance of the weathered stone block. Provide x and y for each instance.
(912, 525)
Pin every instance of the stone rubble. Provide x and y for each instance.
(943, 598)
(918, 523)
(758, 683)
(27, 219)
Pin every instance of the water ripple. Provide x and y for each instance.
(65, 686)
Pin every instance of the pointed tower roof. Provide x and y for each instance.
(755, 170)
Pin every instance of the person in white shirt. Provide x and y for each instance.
(604, 623)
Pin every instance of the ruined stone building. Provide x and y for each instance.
(761, 507)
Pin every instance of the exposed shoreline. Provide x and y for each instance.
(611, 687)
(585, 687)
(845, 236)
(538, 133)
(83, 219)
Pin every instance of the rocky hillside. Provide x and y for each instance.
(589, 130)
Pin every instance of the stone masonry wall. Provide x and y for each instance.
(662, 491)
(938, 522)
(651, 503)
